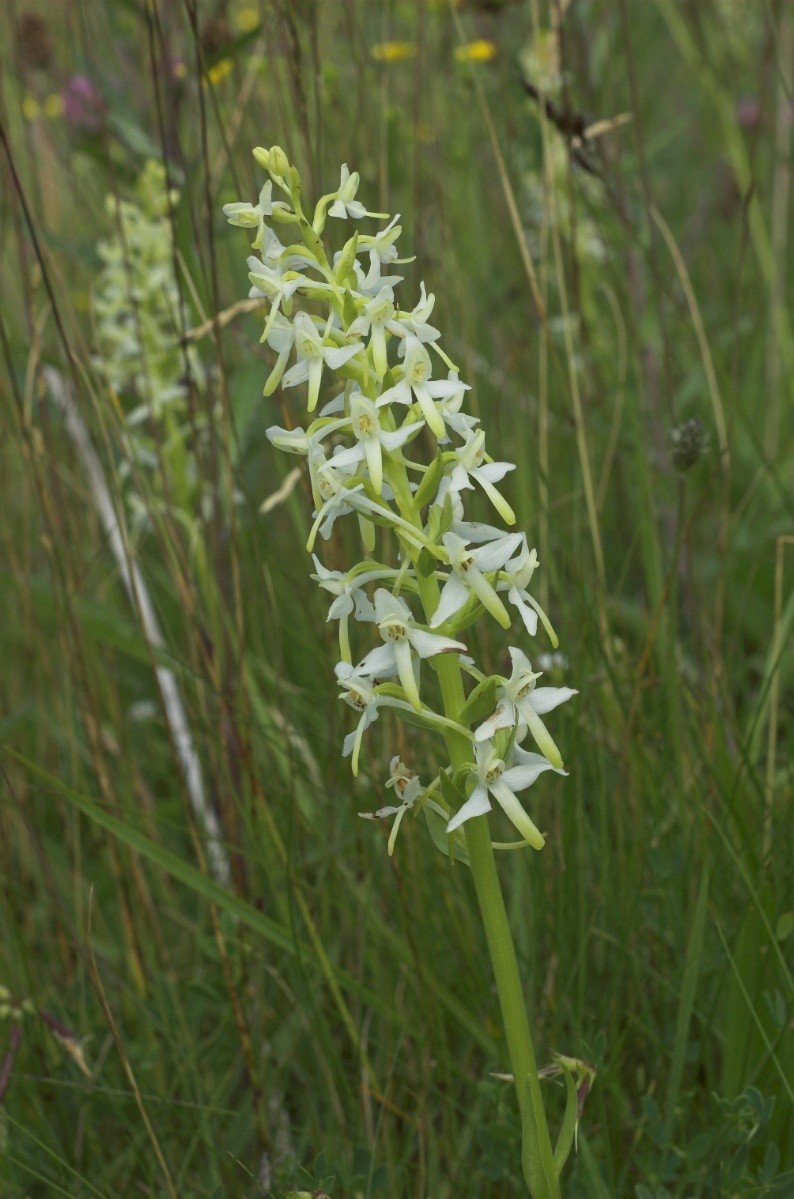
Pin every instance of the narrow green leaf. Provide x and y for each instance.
(686, 1003)
(568, 1130)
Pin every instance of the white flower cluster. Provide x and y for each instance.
(136, 303)
(445, 572)
(140, 318)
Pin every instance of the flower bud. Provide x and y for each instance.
(279, 163)
(689, 442)
(344, 264)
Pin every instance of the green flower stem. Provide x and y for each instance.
(538, 1160)
(539, 1170)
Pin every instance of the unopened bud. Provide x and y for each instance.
(689, 444)
(344, 264)
(279, 163)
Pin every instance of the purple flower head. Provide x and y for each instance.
(83, 106)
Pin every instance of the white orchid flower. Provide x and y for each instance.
(382, 250)
(370, 283)
(281, 338)
(371, 439)
(275, 284)
(417, 381)
(402, 639)
(307, 443)
(469, 568)
(360, 693)
(449, 409)
(470, 464)
(340, 497)
(415, 323)
(408, 790)
(349, 596)
(498, 779)
(517, 575)
(314, 352)
(383, 245)
(346, 204)
(521, 703)
(271, 251)
(374, 320)
(250, 216)
(338, 500)
(379, 315)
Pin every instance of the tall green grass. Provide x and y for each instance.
(327, 1018)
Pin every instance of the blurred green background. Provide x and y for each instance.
(609, 253)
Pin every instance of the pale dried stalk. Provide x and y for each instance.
(134, 585)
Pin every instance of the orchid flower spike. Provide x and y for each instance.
(394, 447)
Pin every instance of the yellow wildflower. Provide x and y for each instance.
(479, 51)
(247, 19)
(393, 51)
(218, 72)
(30, 108)
(53, 106)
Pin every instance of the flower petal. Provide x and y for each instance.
(453, 596)
(518, 778)
(379, 662)
(542, 737)
(497, 499)
(399, 394)
(350, 456)
(315, 375)
(372, 449)
(503, 717)
(405, 670)
(543, 699)
(528, 614)
(516, 815)
(393, 441)
(476, 805)
(488, 597)
(337, 356)
(429, 644)
(494, 554)
(298, 373)
(429, 410)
